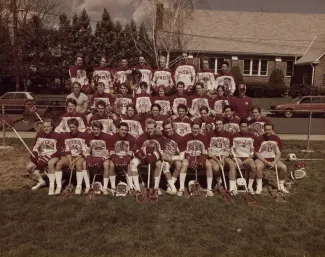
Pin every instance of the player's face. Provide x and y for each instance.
(73, 128)
(76, 89)
(181, 112)
(268, 130)
(205, 65)
(196, 129)
(71, 108)
(123, 89)
(47, 127)
(151, 128)
(199, 89)
(80, 61)
(155, 111)
(130, 111)
(184, 57)
(256, 114)
(219, 126)
(228, 113)
(243, 127)
(103, 62)
(227, 81)
(123, 131)
(180, 88)
(162, 63)
(124, 63)
(100, 88)
(204, 114)
(169, 129)
(220, 91)
(224, 68)
(161, 92)
(96, 131)
(143, 88)
(242, 92)
(142, 61)
(100, 110)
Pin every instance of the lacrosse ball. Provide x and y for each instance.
(239, 230)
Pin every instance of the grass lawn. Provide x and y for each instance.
(34, 224)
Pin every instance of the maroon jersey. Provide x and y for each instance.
(47, 144)
(219, 142)
(173, 144)
(256, 126)
(122, 146)
(195, 145)
(231, 125)
(75, 144)
(157, 142)
(79, 74)
(97, 144)
(104, 75)
(63, 127)
(268, 147)
(177, 100)
(243, 144)
(105, 97)
(164, 102)
(242, 106)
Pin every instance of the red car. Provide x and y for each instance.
(15, 101)
(300, 105)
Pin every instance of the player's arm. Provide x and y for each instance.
(85, 105)
(193, 75)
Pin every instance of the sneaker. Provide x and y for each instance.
(86, 190)
(258, 191)
(39, 185)
(78, 190)
(251, 191)
(171, 191)
(58, 190)
(209, 193)
(180, 192)
(51, 191)
(159, 191)
(283, 189)
(233, 192)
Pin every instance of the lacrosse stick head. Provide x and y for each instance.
(298, 174)
(98, 187)
(280, 197)
(67, 192)
(91, 194)
(6, 120)
(250, 200)
(139, 197)
(154, 195)
(194, 188)
(122, 189)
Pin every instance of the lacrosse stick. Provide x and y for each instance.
(138, 195)
(248, 197)
(196, 188)
(279, 195)
(92, 192)
(148, 193)
(225, 193)
(29, 104)
(69, 188)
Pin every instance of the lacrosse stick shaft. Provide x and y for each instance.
(39, 117)
(223, 173)
(23, 142)
(195, 160)
(277, 176)
(128, 180)
(3, 127)
(149, 170)
(241, 174)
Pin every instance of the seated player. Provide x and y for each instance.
(97, 157)
(220, 142)
(231, 123)
(256, 124)
(148, 150)
(207, 121)
(163, 101)
(46, 150)
(100, 95)
(122, 100)
(63, 126)
(268, 150)
(195, 147)
(121, 147)
(182, 123)
(198, 100)
(132, 120)
(172, 156)
(162, 76)
(219, 102)
(155, 115)
(75, 149)
(179, 98)
(243, 149)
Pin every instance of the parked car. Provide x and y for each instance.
(15, 101)
(300, 105)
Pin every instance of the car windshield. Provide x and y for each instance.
(296, 99)
(34, 95)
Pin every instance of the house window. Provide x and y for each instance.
(289, 72)
(217, 64)
(255, 67)
(305, 78)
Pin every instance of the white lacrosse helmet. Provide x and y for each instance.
(298, 174)
(122, 189)
(292, 157)
(190, 185)
(98, 187)
(241, 181)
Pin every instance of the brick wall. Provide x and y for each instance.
(320, 73)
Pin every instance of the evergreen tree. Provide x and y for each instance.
(117, 49)
(6, 60)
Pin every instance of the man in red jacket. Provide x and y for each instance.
(243, 104)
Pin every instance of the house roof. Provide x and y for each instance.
(265, 33)
(314, 52)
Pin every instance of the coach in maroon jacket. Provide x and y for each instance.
(243, 104)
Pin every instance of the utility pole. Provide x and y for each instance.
(15, 52)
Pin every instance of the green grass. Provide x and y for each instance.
(34, 224)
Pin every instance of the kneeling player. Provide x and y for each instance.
(121, 147)
(195, 147)
(268, 152)
(46, 150)
(98, 157)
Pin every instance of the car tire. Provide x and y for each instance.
(288, 113)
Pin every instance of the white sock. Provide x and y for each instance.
(113, 181)
(129, 182)
(86, 178)
(209, 183)
(157, 180)
(232, 185)
(136, 182)
(259, 183)
(282, 182)
(80, 177)
(250, 183)
(52, 180)
(171, 184)
(182, 177)
(37, 176)
(174, 180)
(105, 183)
(58, 178)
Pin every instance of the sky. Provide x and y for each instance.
(124, 10)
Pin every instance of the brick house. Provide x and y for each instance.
(257, 42)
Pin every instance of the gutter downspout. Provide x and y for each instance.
(312, 74)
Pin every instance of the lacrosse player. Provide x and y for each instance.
(148, 150)
(185, 72)
(63, 126)
(219, 102)
(46, 151)
(75, 148)
(121, 147)
(81, 98)
(163, 101)
(242, 104)
(97, 157)
(179, 98)
(195, 147)
(207, 121)
(220, 142)
(133, 121)
(231, 123)
(122, 100)
(243, 149)
(103, 74)
(172, 155)
(121, 75)
(198, 100)
(182, 123)
(146, 74)
(78, 74)
(226, 79)
(143, 100)
(268, 152)
(155, 115)
(206, 77)
(256, 124)
(162, 76)
(100, 95)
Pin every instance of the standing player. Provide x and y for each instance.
(256, 124)
(185, 72)
(162, 76)
(179, 98)
(146, 74)
(46, 150)
(98, 157)
(75, 149)
(195, 147)
(226, 79)
(81, 98)
(121, 147)
(243, 104)
(268, 152)
(206, 77)
(243, 148)
(121, 75)
(133, 121)
(231, 123)
(78, 73)
(182, 123)
(103, 74)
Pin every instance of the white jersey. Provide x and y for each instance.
(143, 104)
(108, 126)
(162, 77)
(197, 103)
(63, 126)
(165, 106)
(97, 99)
(207, 78)
(135, 128)
(227, 82)
(122, 103)
(218, 106)
(105, 76)
(76, 146)
(186, 74)
(243, 146)
(269, 149)
(182, 128)
(122, 75)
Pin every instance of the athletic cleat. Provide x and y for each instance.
(258, 191)
(51, 191)
(233, 192)
(170, 191)
(78, 190)
(283, 189)
(180, 192)
(86, 190)
(251, 191)
(58, 190)
(159, 191)
(106, 191)
(209, 193)
(39, 185)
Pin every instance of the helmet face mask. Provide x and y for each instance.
(122, 189)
